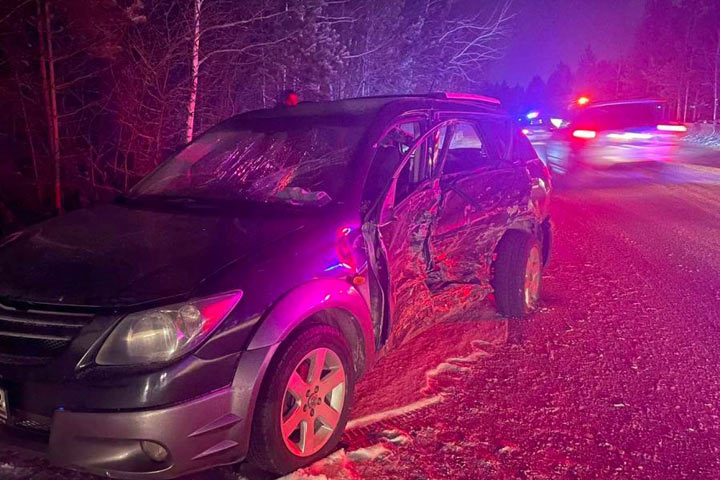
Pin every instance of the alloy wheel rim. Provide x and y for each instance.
(533, 275)
(313, 401)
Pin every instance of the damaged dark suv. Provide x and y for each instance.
(224, 309)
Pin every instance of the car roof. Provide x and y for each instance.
(372, 106)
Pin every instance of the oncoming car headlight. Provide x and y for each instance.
(165, 333)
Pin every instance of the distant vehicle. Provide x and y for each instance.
(606, 134)
(538, 127)
(225, 308)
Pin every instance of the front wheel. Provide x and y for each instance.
(517, 279)
(302, 410)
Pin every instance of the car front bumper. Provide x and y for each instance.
(205, 432)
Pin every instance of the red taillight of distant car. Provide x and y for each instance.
(586, 134)
(672, 128)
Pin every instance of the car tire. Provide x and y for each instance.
(277, 447)
(517, 277)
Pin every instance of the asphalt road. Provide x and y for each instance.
(615, 376)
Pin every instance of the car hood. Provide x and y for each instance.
(114, 255)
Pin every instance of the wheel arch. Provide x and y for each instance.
(326, 301)
(522, 225)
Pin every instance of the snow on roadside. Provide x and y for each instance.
(710, 140)
(339, 465)
(390, 414)
(397, 437)
(373, 452)
(438, 378)
(8, 472)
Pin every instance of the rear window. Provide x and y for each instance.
(621, 116)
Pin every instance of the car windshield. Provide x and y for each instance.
(620, 116)
(299, 162)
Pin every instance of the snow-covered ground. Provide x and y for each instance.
(704, 139)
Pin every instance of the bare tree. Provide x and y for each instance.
(121, 84)
(47, 71)
(195, 69)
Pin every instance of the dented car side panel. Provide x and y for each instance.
(439, 242)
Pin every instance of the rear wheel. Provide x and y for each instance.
(517, 279)
(303, 408)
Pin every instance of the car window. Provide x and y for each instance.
(466, 151)
(422, 165)
(390, 151)
(411, 174)
(497, 133)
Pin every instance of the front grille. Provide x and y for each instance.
(35, 336)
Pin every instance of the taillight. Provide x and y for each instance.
(584, 134)
(672, 128)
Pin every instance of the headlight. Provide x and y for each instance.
(165, 333)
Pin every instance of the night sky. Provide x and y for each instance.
(551, 31)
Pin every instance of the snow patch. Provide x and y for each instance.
(396, 437)
(8, 471)
(339, 465)
(472, 358)
(372, 452)
(300, 475)
(705, 139)
(395, 412)
(440, 377)
(334, 466)
(446, 367)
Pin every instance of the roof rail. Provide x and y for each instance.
(471, 97)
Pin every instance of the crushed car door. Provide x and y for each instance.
(482, 193)
(405, 224)
(392, 147)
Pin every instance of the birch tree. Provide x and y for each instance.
(195, 69)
